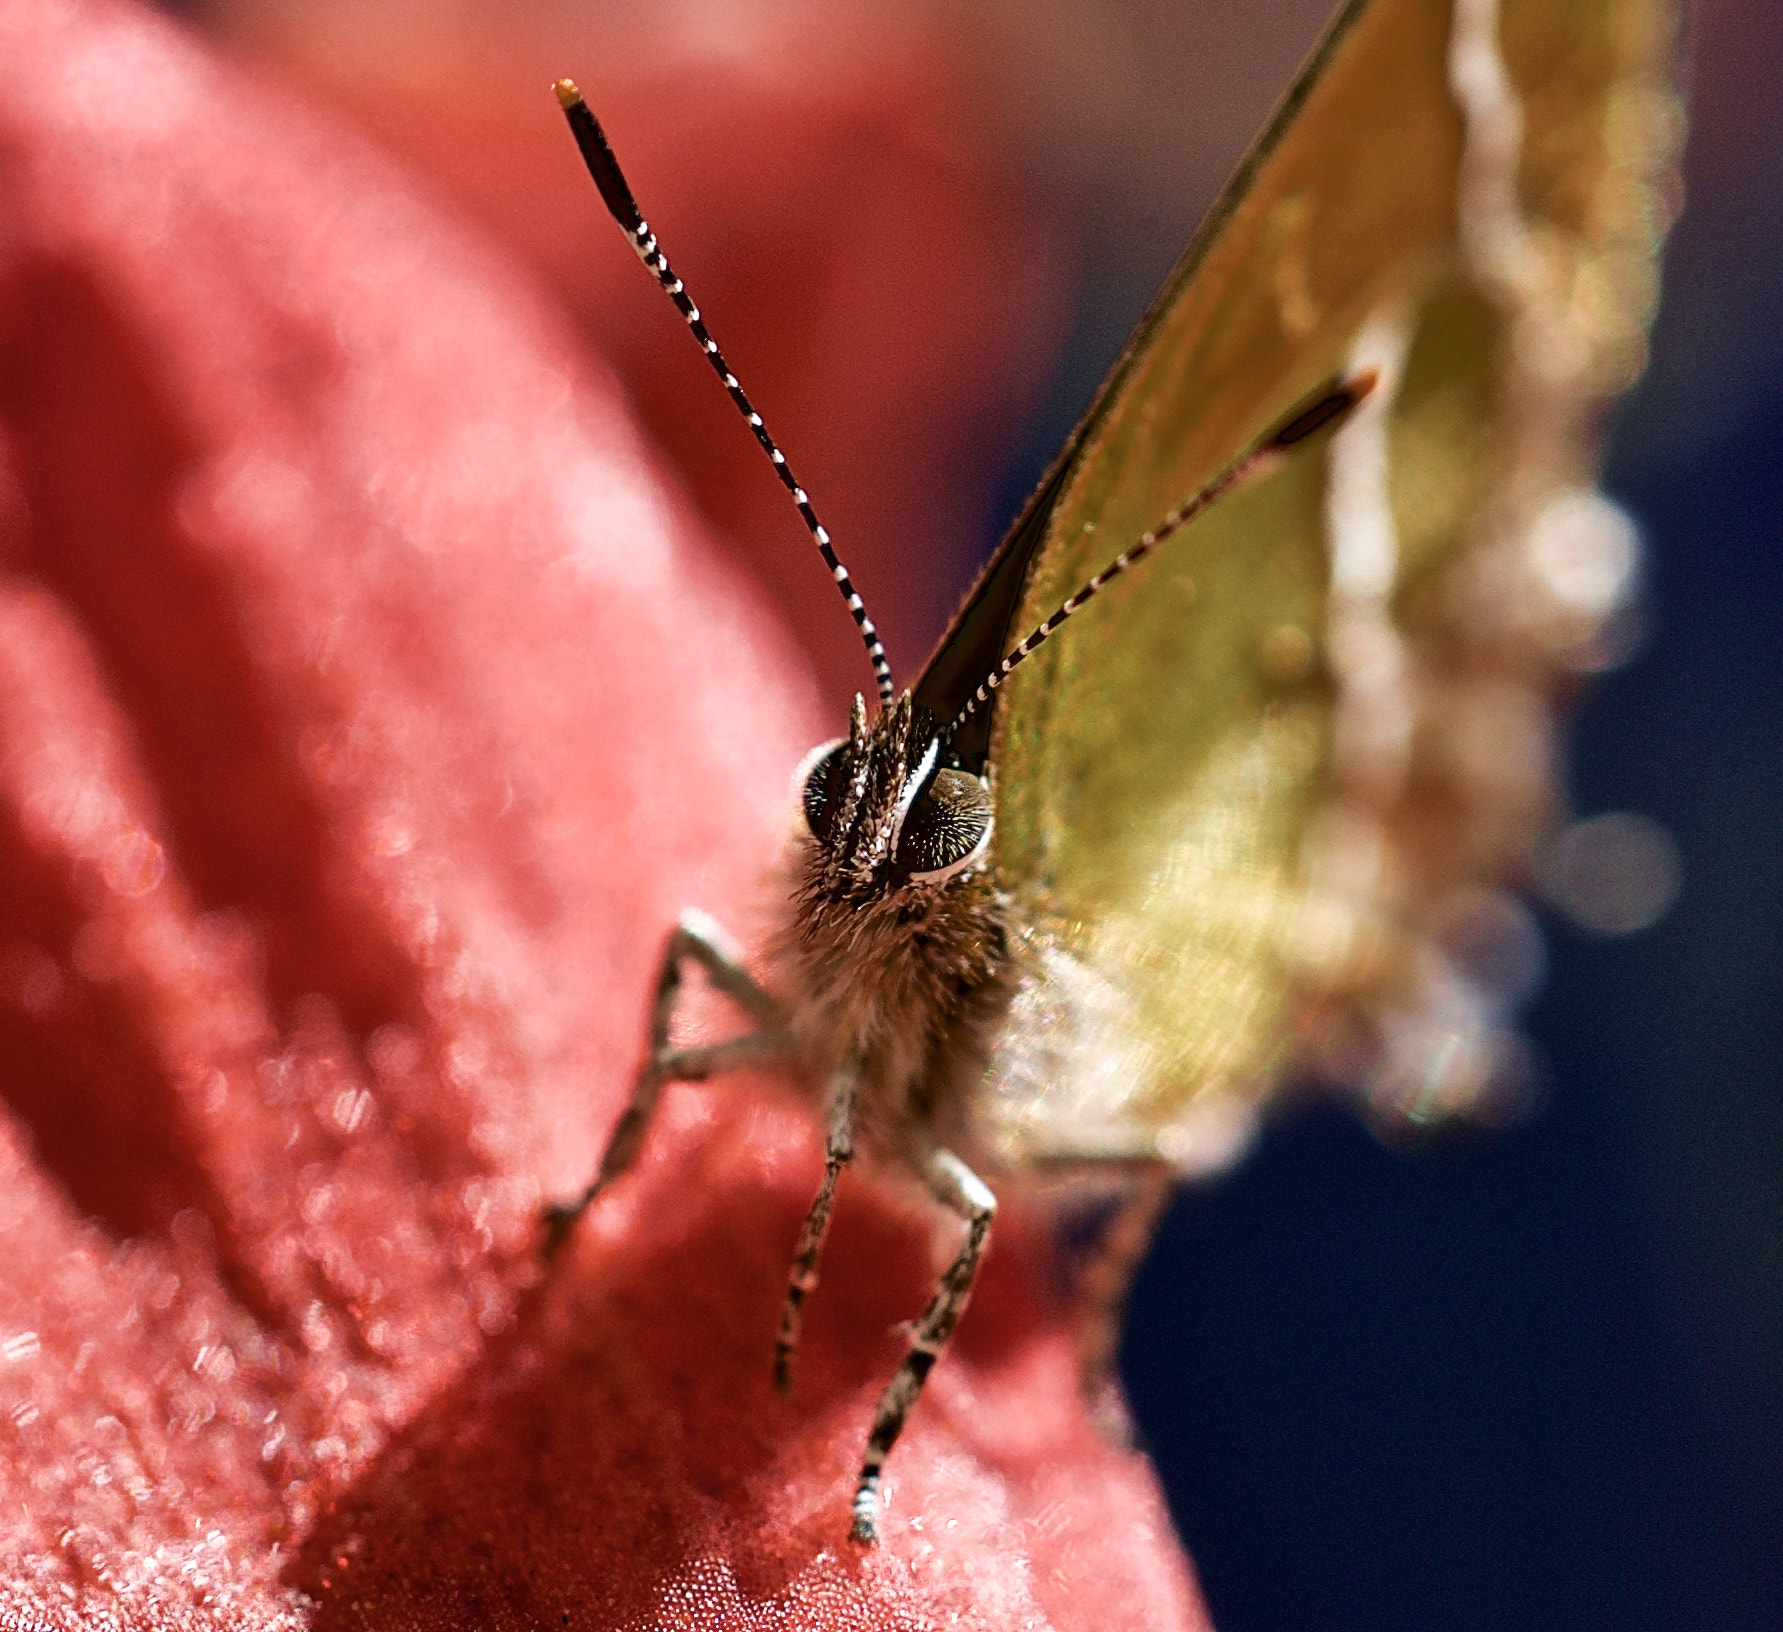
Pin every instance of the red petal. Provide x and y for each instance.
(367, 711)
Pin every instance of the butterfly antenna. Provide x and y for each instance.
(1334, 404)
(617, 195)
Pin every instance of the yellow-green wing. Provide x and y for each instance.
(1254, 803)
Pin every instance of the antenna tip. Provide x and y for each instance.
(567, 94)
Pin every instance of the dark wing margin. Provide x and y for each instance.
(979, 636)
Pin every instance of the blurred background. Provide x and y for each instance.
(1525, 1379)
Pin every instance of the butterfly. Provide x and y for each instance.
(1217, 779)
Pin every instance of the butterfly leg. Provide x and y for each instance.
(1105, 1279)
(802, 1278)
(961, 1191)
(697, 939)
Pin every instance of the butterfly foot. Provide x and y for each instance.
(865, 1528)
(556, 1221)
(1109, 1414)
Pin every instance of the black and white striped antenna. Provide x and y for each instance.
(1333, 404)
(617, 195)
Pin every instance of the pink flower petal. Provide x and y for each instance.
(368, 709)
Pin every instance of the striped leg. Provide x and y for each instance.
(961, 1191)
(803, 1275)
(1105, 1280)
(700, 939)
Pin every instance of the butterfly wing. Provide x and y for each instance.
(1253, 804)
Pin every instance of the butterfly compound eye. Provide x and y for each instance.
(820, 785)
(948, 828)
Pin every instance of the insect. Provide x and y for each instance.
(1215, 781)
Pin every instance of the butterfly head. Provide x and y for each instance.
(884, 814)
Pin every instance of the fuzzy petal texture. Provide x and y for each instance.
(369, 706)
